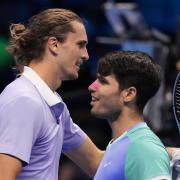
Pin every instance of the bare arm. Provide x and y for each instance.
(9, 167)
(87, 156)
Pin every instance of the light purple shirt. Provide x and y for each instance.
(35, 127)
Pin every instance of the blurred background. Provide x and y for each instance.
(152, 26)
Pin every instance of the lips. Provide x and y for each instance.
(77, 67)
(79, 64)
(94, 100)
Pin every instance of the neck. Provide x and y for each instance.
(47, 73)
(125, 121)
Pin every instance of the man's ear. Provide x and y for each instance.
(52, 44)
(130, 94)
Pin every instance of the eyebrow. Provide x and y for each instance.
(100, 77)
(84, 42)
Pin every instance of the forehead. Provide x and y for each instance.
(79, 32)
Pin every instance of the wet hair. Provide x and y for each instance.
(132, 68)
(28, 41)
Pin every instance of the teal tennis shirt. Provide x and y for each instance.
(136, 155)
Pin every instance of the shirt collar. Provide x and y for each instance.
(49, 96)
(132, 129)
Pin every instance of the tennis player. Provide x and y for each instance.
(35, 124)
(126, 80)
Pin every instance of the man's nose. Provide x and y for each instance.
(85, 55)
(94, 86)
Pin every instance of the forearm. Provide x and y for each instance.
(87, 157)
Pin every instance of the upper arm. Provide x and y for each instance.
(9, 167)
(87, 156)
(19, 127)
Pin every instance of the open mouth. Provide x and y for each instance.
(94, 100)
(78, 65)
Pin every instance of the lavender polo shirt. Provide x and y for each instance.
(35, 127)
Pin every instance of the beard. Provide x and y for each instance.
(110, 116)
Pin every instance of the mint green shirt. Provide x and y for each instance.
(136, 155)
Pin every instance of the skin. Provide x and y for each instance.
(87, 157)
(116, 105)
(107, 96)
(9, 167)
(61, 61)
(172, 150)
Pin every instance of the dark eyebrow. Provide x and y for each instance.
(100, 77)
(83, 42)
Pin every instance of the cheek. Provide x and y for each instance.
(74, 52)
(110, 102)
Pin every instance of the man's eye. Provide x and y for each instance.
(102, 81)
(82, 45)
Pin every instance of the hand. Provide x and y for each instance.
(171, 150)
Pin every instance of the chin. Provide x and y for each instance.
(76, 77)
(72, 77)
(96, 114)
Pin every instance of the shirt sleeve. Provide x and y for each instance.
(19, 127)
(73, 135)
(147, 161)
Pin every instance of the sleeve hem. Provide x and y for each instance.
(13, 151)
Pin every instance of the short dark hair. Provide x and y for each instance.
(28, 41)
(133, 68)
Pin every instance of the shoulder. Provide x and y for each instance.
(147, 157)
(147, 139)
(20, 99)
(19, 89)
(145, 144)
(147, 149)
